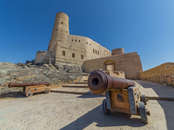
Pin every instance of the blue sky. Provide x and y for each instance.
(145, 26)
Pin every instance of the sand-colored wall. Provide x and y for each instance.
(163, 74)
(129, 63)
(60, 30)
(69, 48)
(40, 57)
(118, 51)
(83, 48)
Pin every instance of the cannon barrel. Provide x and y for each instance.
(26, 84)
(99, 82)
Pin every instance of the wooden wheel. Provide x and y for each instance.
(143, 112)
(29, 93)
(105, 109)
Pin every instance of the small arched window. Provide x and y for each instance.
(82, 57)
(63, 53)
(73, 55)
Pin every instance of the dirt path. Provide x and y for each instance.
(75, 112)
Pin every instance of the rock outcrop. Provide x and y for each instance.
(23, 73)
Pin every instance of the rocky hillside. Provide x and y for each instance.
(23, 73)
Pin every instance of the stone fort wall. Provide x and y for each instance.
(129, 63)
(77, 49)
(163, 74)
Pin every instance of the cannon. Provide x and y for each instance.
(122, 95)
(31, 88)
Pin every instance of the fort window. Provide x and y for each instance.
(61, 22)
(79, 40)
(63, 53)
(72, 40)
(75, 40)
(73, 55)
(82, 57)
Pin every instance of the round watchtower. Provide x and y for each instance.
(60, 30)
(62, 25)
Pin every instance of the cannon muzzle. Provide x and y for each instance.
(99, 82)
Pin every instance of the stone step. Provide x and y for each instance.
(75, 85)
(70, 90)
(81, 82)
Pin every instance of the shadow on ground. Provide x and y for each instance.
(69, 92)
(90, 95)
(12, 95)
(96, 116)
(82, 94)
(16, 95)
(168, 106)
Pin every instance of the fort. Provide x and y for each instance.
(67, 49)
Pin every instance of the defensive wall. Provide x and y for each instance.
(129, 63)
(163, 74)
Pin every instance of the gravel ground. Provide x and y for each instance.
(63, 111)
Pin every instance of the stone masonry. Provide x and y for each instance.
(69, 49)
(82, 52)
(163, 74)
(129, 63)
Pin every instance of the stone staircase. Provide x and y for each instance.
(80, 82)
(78, 86)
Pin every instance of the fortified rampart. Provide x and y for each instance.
(163, 74)
(129, 63)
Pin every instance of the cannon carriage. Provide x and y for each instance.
(29, 89)
(122, 95)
